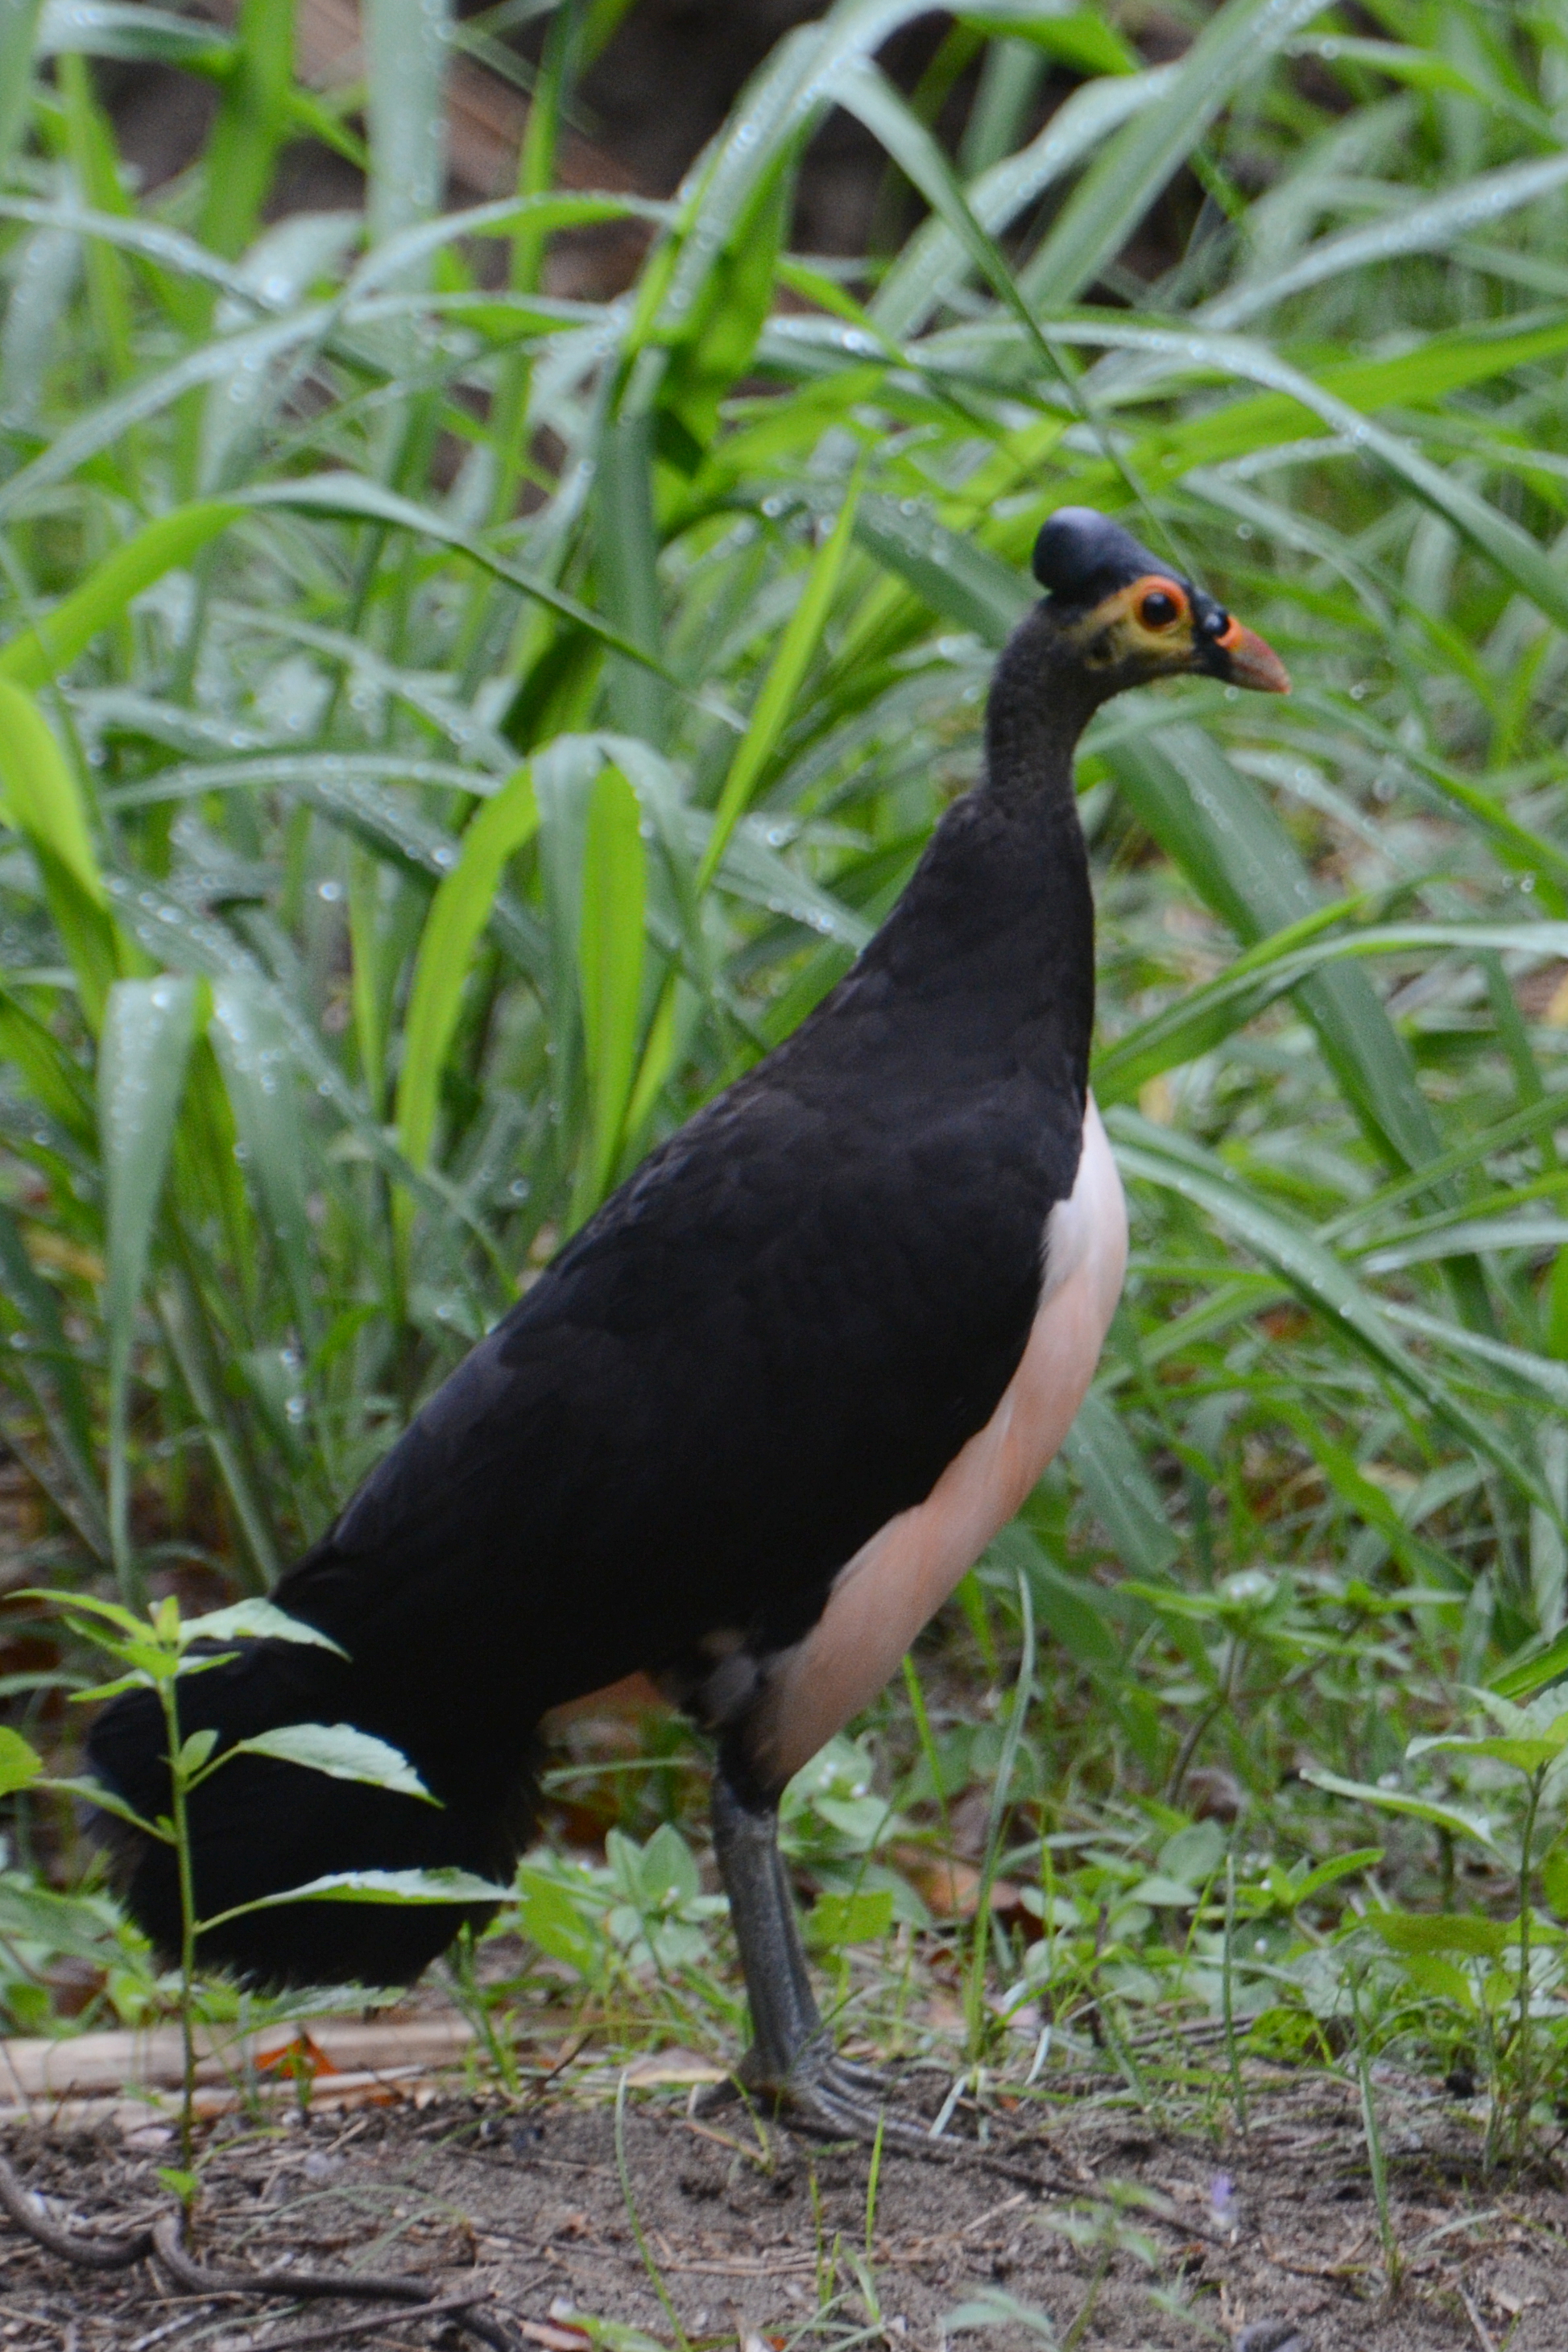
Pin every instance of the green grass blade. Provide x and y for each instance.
(146, 1042)
(1143, 1154)
(405, 61)
(19, 21)
(937, 258)
(43, 800)
(1130, 173)
(1119, 1489)
(625, 558)
(1237, 856)
(41, 652)
(1431, 227)
(458, 914)
(782, 684)
(610, 946)
(258, 1070)
(253, 122)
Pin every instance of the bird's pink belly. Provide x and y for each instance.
(899, 1580)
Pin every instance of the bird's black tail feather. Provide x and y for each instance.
(259, 1827)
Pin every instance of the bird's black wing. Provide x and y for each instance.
(774, 1339)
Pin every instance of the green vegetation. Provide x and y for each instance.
(447, 730)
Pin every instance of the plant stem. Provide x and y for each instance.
(1023, 1692)
(1233, 2059)
(1393, 2263)
(655, 2275)
(179, 1821)
(1525, 2072)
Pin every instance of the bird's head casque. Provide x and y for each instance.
(1133, 618)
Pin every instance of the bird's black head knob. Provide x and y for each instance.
(1082, 557)
(1128, 617)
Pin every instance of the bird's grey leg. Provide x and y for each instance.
(791, 2064)
(784, 2020)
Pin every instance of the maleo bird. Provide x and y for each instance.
(760, 1414)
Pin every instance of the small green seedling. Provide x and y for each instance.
(156, 1652)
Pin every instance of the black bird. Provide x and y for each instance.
(760, 1414)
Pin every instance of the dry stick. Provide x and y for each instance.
(298, 2285)
(163, 2240)
(196, 2278)
(342, 2330)
(93, 2253)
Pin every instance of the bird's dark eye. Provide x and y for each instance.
(1159, 609)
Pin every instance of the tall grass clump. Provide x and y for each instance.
(447, 730)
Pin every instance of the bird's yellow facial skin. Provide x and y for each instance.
(1148, 625)
(1149, 630)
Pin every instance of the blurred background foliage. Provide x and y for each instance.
(492, 607)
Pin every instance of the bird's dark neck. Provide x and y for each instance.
(993, 942)
(1041, 702)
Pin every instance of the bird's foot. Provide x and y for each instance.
(821, 2092)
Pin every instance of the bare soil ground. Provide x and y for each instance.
(1268, 2240)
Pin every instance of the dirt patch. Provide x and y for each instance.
(771, 2237)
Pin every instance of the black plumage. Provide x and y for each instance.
(771, 1340)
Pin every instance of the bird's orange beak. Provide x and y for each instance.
(1253, 661)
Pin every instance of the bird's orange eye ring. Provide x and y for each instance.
(1161, 605)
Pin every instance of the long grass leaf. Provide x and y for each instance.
(38, 654)
(1131, 170)
(458, 913)
(43, 800)
(1321, 1282)
(19, 21)
(610, 945)
(782, 683)
(147, 1034)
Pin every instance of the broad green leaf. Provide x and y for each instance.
(353, 495)
(1433, 226)
(1079, 37)
(19, 1763)
(1527, 1754)
(456, 1887)
(1534, 1673)
(955, 575)
(836, 1921)
(255, 1621)
(147, 1034)
(195, 1750)
(548, 1917)
(1554, 1880)
(1342, 1865)
(261, 1075)
(1452, 1818)
(625, 556)
(104, 1801)
(1202, 1019)
(1467, 1932)
(1063, 1604)
(340, 1752)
